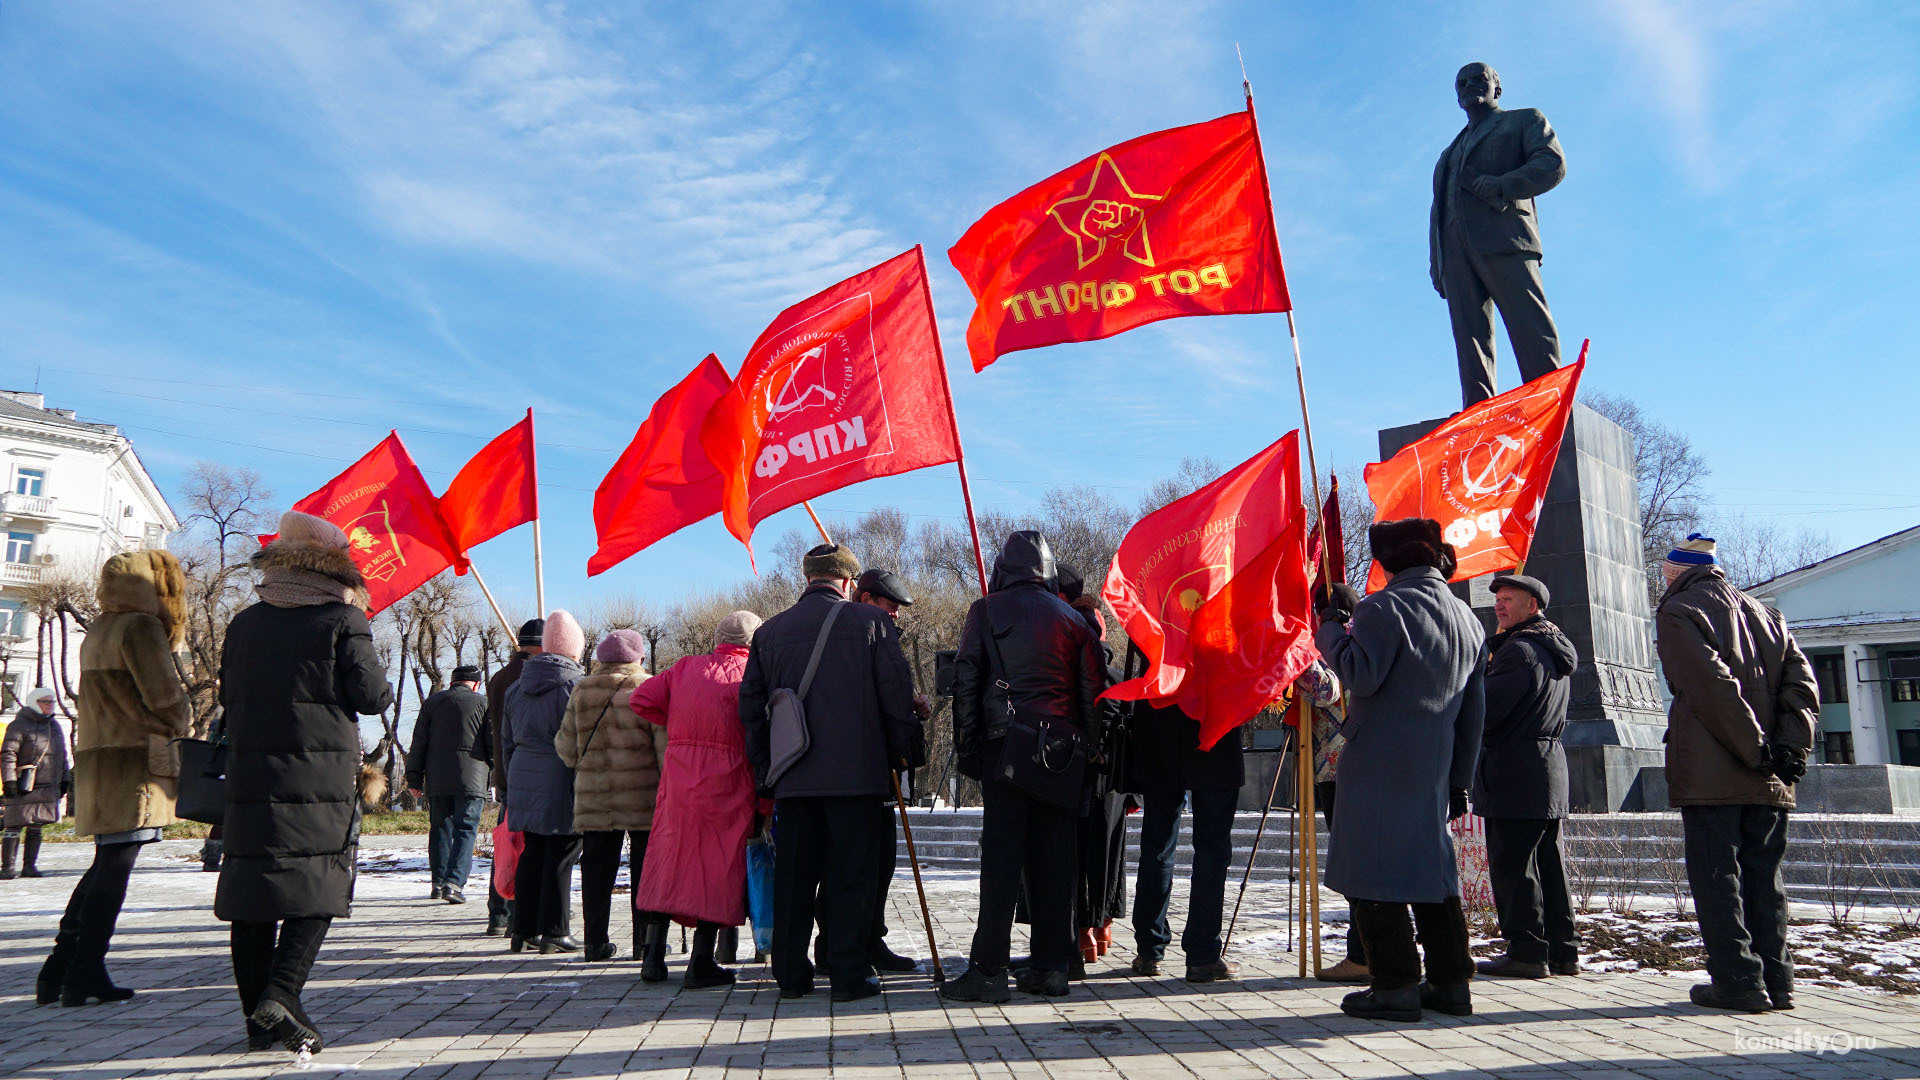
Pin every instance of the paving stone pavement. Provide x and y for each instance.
(409, 988)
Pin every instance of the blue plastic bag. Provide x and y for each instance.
(760, 891)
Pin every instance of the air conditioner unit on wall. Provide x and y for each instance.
(47, 559)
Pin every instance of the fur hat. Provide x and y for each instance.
(466, 673)
(563, 635)
(1406, 543)
(532, 631)
(829, 561)
(621, 647)
(299, 528)
(736, 629)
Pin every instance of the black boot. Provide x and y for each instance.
(1454, 999)
(210, 852)
(9, 855)
(1402, 1003)
(30, 854)
(703, 973)
(287, 1023)
(727, 949)
(54, 972)
(88, 981)
(653, 959)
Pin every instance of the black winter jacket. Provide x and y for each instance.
(1523, 768)
(452, 745)
(859, 708)
(1054, 667)
(1165, 754)
(497, 688)
(291, 680)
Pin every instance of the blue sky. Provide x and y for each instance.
(262, 234)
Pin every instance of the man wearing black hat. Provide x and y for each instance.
(857, 723)
(532, 632)
(448, 761)
(1520, 786)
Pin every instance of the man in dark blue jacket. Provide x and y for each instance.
(860, 723)
(1520, 785)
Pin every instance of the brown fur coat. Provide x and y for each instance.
(615, 754)
(132, 704)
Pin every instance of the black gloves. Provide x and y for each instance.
(1789, 763)
(10, 788)
(1337, 604)
(1456, 804)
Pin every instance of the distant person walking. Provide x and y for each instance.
(448, 763)
(34, 772)
(297, 666)
(1745, 706)
(130, 699)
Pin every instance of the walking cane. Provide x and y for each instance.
(1255, 851)
(939, 974)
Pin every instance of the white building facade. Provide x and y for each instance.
(75, 494)
(1857, 616)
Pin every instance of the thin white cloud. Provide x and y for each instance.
(1672, 47)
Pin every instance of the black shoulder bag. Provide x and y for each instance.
(1046, 760)
(201, 792)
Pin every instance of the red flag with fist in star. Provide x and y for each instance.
(1169, 224)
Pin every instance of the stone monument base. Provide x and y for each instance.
(1859, 789)
(1602, 779)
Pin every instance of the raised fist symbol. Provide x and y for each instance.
(1108, 217)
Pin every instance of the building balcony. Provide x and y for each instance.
(37, 507)
(15, 573)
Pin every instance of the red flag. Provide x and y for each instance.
(664, 480)
(1482, 475)
(1328, 532)
(392, 521)
(1213, 590)
(1173, 223)
(495, 491)
(842, 387)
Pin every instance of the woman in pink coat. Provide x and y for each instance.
(696, 866)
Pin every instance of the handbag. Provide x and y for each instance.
(1046, 759)
(760, 890)
(201, 790)
(787, 735)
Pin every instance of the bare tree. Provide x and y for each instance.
(1752, 550)
(1193, 474)
(227, 507)
(1668, 473)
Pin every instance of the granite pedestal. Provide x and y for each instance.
(1586, 549)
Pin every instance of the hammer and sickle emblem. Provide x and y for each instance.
(1492, 479)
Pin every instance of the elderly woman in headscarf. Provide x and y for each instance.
(696, 866)
(297, 671)
(125, 769)
(33, 767)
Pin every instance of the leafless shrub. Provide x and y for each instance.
(1840, 875)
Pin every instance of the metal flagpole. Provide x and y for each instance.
(512, 634)
(1309, 841)
(953, 420)
(539, 567)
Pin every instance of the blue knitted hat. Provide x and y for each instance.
(1695, 550)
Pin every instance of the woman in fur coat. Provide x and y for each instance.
(298, 665)
(132, 706)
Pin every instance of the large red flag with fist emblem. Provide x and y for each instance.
(1482, 475)
(1169, 224)
(664, 480)
(1213, 589)
(394, 531)
(842, 387)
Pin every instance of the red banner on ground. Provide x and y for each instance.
(1213, 589)
(842, 387)
(664, 480)
(1482, 475)
(394, 531)
(1169, 224)
(495, 491)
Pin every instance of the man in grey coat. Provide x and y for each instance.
(1410, 656)
(1483, 237)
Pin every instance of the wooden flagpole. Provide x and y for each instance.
(953, 420)
(824, 538)
(512, 634)
(1308, 834)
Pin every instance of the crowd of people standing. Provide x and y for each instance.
(797, 730)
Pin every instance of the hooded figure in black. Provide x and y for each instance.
(1024, 654)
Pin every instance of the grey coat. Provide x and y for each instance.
(539, 784)
(1412, 660)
